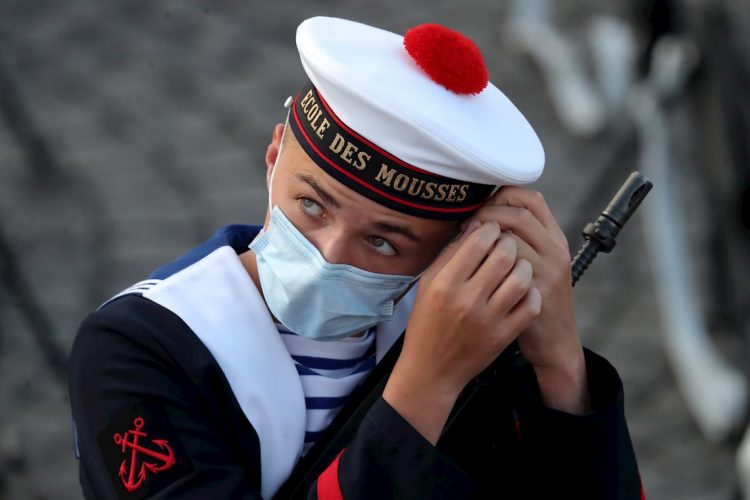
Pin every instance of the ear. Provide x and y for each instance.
(272, 152)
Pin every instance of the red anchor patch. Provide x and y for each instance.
(150, 460)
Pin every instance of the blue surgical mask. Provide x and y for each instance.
(314, 298)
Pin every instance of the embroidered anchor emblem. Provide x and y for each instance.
(165, 456)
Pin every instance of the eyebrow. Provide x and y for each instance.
(325, 195)
(385, 227)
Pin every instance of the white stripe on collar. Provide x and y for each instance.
(136, 289)
(217, 299)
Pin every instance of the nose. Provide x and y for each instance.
(334, 246)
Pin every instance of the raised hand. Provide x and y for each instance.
(551, 343)
(472, 302)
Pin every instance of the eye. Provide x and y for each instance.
(310, 207)
(382, 246)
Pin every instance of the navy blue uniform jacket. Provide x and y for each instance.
(154, 415)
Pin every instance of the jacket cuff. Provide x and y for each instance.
(389, 447)
(560, 429)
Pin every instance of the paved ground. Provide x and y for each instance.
(130, 129)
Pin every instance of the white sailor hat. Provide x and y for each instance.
(411, 122)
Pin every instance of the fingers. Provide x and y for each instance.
(525, 251)
(522, 314)
(470, 253)
(513, 288)
(496, 267)
(534, 202)
(518, 220)
(449, 251)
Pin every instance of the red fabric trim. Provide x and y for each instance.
(518, 429)
(643, 493)
(370, 186)
(328, 482)
(373, 146)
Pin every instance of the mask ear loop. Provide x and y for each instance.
(288, 105)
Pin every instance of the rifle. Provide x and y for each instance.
(599, 236)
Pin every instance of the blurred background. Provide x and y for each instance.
(130, 130)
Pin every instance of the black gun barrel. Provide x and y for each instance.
(600, 235)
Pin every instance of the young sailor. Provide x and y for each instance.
(211, 378)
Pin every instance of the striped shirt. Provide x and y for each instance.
(329, 371)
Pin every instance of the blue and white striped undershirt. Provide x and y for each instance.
(329, 371)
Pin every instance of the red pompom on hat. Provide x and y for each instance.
(450, 58)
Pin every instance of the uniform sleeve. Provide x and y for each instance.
(388, 458)
(572, 456)
(536, 452)
(143, 424)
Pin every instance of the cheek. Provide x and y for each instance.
(421, 263)
(426, 255)
(403, 265)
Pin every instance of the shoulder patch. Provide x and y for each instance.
(142, 452)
